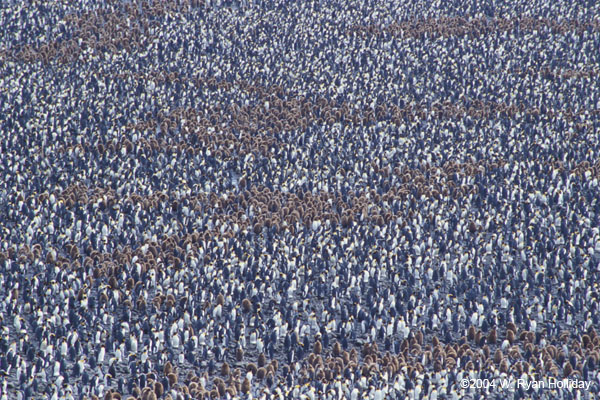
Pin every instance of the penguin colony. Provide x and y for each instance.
(312, 199)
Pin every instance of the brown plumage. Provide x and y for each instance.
(486, 351)
(246, 305)
(567, 369)
(262, 360)
(510, 336)
(337, 349)
(239, 354)
(168, 368)
(523, 336)
(151, 396)
(261, 373)
(365, 371)
(221, 388)
(366, 350)
(498, 356)
(246, 386)
(232, 391)
(353, 355)
(158, 389)
(251, 367)
(136, 392)
(225, 370)
(317, 347)
(471, 333)
(492, 336)
(504, 366)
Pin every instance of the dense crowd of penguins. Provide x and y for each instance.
(313, 199)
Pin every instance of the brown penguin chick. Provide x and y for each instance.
(246, 386)
(530, 337)
(463, 349)
(320, 375)
(232, 391)
(366, 350)
(346, 357)
(523, 336)
(337, 349)
(239, 354)
(225, 370)
(220, 299)
(318, 360)
(492, 336)
(151, 395)
(216, 381)
(261, 373)
(158, 389)
(251, 367)
(504, 366)
(274, 365)
(471, 333)
(469, 366)
(353, 355)
(498, 356)
(169, 303)
(262, 360)
(567, 369)
(553, 370)
(269, 369)
(416, 350)
(317, 347)
(514, 353)
(168, 368)
(365, 371)
(221, 388)
(172, 379)
(246, 305)
(510, 336)
(136, 392)
(486, 351)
